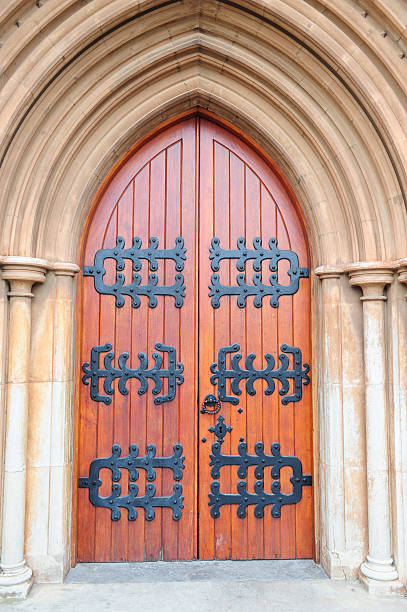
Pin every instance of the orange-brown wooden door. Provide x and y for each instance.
(241, 196)
(194, 181)
(152, 195)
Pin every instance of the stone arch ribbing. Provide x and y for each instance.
(121, 81)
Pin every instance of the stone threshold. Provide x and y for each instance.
(196, 571)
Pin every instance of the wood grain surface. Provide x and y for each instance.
(195, 179)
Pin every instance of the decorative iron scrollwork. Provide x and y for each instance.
(132, 462)
(298, 373)
(93, 372)
(260, 499)
(135, 254)
(259, 290)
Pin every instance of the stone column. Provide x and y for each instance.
(377, 573)
(60, 507)
(400, 423)
(331, 431)
(50, 427)
(21, 273)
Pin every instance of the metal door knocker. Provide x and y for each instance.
(210, 400)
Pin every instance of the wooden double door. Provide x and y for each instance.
(194, 409)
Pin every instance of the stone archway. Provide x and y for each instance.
(332, 122)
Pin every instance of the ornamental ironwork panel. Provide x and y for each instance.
(132, 462)
(157, 373)
(297, 373)
(258, 289)
(260, 499)
(136, 254)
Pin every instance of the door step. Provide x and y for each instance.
(196, 571)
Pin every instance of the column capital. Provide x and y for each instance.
(22, 273)
(65, 269)
(402, 270)
(329, 271)
(372, 277)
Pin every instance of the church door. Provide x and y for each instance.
(193, 398)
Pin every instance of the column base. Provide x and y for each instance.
(382, 588)
(380, 577)
(382, 570)
(15, 581)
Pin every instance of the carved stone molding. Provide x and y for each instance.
(65, 269)
(372, 277)
(324, 272)
(22, 273)
(402, 271)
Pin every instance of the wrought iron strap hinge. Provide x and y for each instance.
(260, 499)
(94, 373)
(132, 462)
(258, 289)
(260, 460)
(135, 254)
(298, 373)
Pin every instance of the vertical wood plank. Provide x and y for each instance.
(254, 418)
(172, 319)
(237, 334)
(121, 403)
(303, 428)
(206, 528)
(138, 529)
(302, 411)
(155, 334)
(107, 328)
(188, 342)
(87, 437)
(223, 548)
(271, 403)
(287, 432)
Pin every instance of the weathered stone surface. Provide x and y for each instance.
(198, 595)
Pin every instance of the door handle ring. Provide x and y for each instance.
(211, 400)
